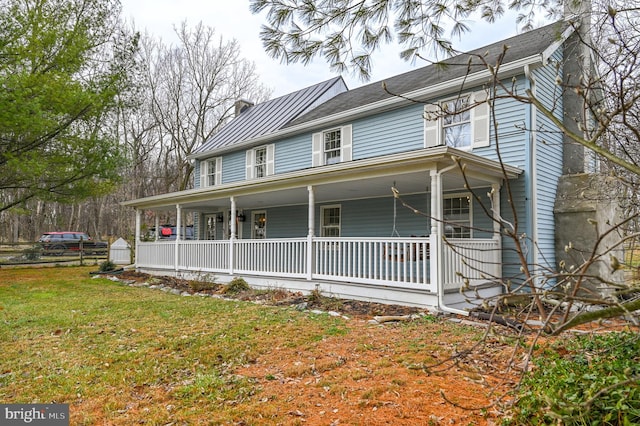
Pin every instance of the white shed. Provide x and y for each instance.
(120, 252)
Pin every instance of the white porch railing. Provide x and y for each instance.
(371, 260)
(156, 255)
(476, 259)
(401, 262)
(280, 257)
(203, 255)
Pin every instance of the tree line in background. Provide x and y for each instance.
(93, 113)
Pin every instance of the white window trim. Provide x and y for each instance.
(204, 172)
(433, 121)
(322, 226)
(251, 161)
(467, 195)
(346, 145)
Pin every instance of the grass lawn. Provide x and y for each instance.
(123, 355)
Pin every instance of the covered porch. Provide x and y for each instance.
(366, 258)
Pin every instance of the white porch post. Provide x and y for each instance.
(157, 227)
(232, 235)
(497, 227)
(136, 244)
(138, 224)
(437, 243)
(310, 233)
(177, 243)
(435, 240)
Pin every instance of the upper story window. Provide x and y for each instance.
(456, 211)
(330, 221)
(456, 125)
(260, 161)
(462, 122)
(260, 165)
(332, 146)
(211, 172)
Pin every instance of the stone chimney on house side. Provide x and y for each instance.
(577, 65)
(241, 105)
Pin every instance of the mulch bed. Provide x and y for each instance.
(349, 308)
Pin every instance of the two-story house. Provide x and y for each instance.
(396, 192)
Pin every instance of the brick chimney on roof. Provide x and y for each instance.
(241, 105)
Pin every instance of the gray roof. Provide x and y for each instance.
(525, 45)
(269, 116)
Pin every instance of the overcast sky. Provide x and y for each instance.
(233, 20)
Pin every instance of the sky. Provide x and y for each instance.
(233, 20)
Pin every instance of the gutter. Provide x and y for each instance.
(417, 160)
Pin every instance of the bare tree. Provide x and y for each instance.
(193, 87)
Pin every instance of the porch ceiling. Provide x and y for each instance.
(408, 172)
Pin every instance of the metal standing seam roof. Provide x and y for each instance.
(300, 107)
(525, 45)
(269, 116)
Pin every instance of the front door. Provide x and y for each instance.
(210, 221)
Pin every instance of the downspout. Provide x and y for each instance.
(530, 167)
(437, 226)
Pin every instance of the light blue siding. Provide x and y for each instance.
(375, 217)
(511, 117)
(282, 222)
(388, 133)
(372, 217)
(234, 167)
(293, 154)
(548, 161)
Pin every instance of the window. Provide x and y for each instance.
(332, 146)
(456, 211)
(211, 172)
(260, 165)
(330, 221)
(456, 125)
(260, 161)
(259, 221)
(462, 122)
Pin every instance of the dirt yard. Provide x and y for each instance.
(376, 374)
